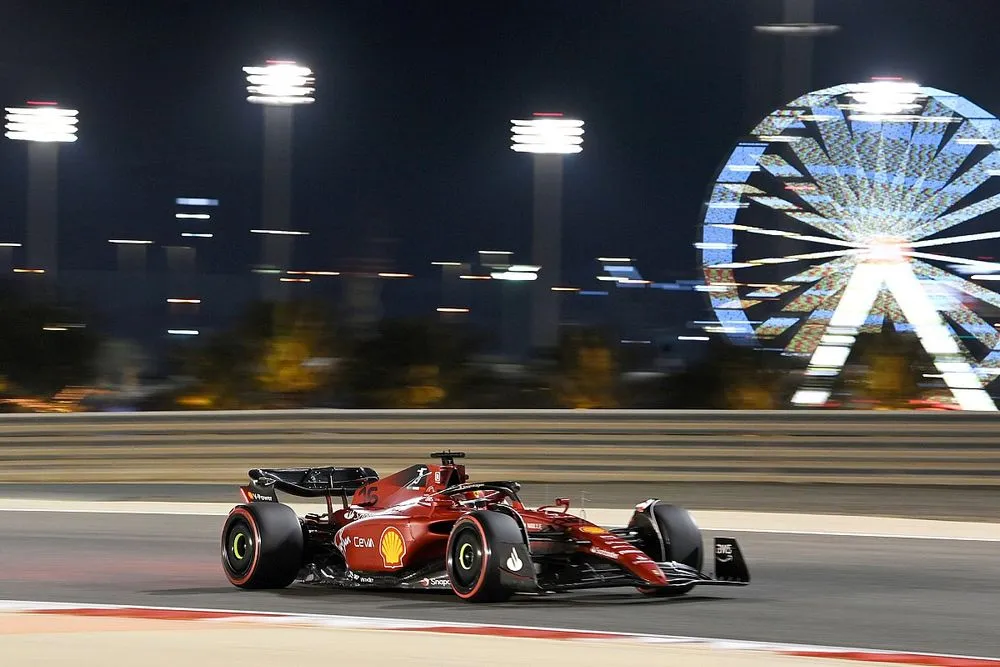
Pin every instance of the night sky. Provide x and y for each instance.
(408, 138)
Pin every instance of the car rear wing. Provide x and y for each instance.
(311, 482)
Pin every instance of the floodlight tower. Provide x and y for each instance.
(279, 86)
(799, 28)
(548, 137)
(44, 125)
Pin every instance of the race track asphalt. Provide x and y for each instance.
(903, 594)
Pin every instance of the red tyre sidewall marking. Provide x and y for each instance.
(486, 558)
(252, 522)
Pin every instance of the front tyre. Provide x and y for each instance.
(262, 546)
(477, 546)
(669, 533)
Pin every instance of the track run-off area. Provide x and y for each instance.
(863, 583)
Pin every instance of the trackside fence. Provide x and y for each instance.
(938, 448)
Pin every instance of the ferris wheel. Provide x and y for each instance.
(855, 208)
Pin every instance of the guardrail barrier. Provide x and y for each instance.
(952, 448)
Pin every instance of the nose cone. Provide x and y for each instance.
(610, 547)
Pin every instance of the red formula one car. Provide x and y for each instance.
(428, 527)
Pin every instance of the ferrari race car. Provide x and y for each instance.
(428, 527)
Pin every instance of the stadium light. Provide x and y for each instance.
(280, 83)
(547, 135)
(44, 126)
(278, 86)
(41, 123)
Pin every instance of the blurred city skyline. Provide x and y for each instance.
(408, 137)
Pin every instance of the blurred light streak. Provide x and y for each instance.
(183, 332)
(194, 201)
(797, 29)
(955, 239)
(280, 232)
(514, 275)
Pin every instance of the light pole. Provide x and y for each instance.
(44, 125)
(279, 86)
(798, 32)
(799, 28)
(548, 137)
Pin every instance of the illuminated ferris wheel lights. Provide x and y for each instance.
(881, 194)
(886, 97)
(779, 138)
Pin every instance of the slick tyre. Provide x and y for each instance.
(476, 546)
(262, 546)
(670, 534)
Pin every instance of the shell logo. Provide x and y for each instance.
(593, 530)
(392, 547)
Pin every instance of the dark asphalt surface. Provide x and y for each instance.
(926, 502)
(914, 595)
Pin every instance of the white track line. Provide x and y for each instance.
(537, 632)
(712, 520)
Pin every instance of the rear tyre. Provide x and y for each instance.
(669, 534)
(262, 546)
(474, 554)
